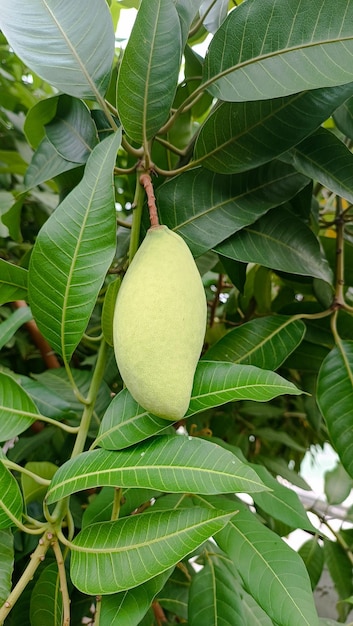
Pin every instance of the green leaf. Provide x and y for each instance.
(46, 599)
(313, 556)
(282, 242)
(72, 132)
(78, 45)
(40, 114)
(214, 599)
(343, 117)
(13, 282)
(115, 556)
(340, 568)
(17, 410)
(252, 58)
(31, 489)
(66, 273)
(271, 571)
(253, 613)
(149, 70)
(129, 607)
(187, 10)
(265, 342)
(10, 499)
(238, 137)
(325, 158)
(9, 326)
(108, 310)
(335, 400)
(217, 382)
(175, 464)
(193, 202)
(337, 484)
(46, 163)
(7, 561)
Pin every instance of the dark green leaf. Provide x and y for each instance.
(206, 208)
(340, 568)
(78, 45)
(265, 342)
(149, 70)
(13, 282)
(174, 464)
(65, 273)
(11, 503)
(7, 560)
(280, 241)
(13, 323)
(72, 131)
(335, 400)
(17, 410)
(46, 163)
(251, 57)
(313, 556)
(115, 556)
(46, 599)
(39, 115)
(337, 484)
(343, 118)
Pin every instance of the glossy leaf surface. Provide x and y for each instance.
(10, 498)
(14, 322)
(46, 599)
(115, 556)
(6, 559)
(72, 132)
(65, 273)
(13, 282)
(173, 464)
(17, 409)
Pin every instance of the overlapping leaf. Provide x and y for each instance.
(17, 409)
(72, 131)
(280, 47)
(174, 464)
(238, 137)
(46, 598)
(13, 323)
(46, 163)
(205, 208)
(265, 342)
(11, 503)
(71, 49)
(149, 70)
(6, 560)
(335, 400)
(115, 556)
(66, 272)
(13, 282)
(282, 242)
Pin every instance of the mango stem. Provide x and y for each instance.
(146, 182)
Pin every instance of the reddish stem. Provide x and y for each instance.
(45, 349)
(146, 182)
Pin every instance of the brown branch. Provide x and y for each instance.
(146, 182)
(45, 349)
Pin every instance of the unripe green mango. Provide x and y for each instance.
(159, 324)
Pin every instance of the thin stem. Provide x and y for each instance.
(136, 220)
(97, 614)
(75, 389)
(13, 466)
(339, 296)
(36, 558)
(116, 504)
(340, 540)
(63, 583)
(169, 146)
(136, 152)
(146, 181)
(65, 427)
(199, 23)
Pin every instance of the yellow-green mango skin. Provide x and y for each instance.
(159, 324)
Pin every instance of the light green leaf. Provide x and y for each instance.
(115, 556)
(195, 202)
(46, 598)
(46, 163)
(253, 613)
(214, 598)
(9, 326)
(17, 409)
(78, 45)
(343, 117)
(335, 400)
(7, 561)
(325, 158)
(252, 58)
(39, 115)
(265, 342)
(13, 282)
(31, 489)
(66, 273)
(175, 464)
(337, 484)
(187, 10)
(271, 571)
(313, 556)
(10, 498)
(72, 131)
(340, 568)
(279, 241)
(149, 70)
(129, 607)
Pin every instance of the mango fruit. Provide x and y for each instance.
(159, 324)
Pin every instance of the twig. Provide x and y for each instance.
(146, 182)
(63, 582)
(45, 349)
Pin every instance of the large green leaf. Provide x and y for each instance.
(282, 242)
(126, 422)
(340, 568)
(149, 70)
(115, 556)
(206, 208)
(71, 49)
(46, 163)
(176, 464)
(214, 598)
(271, 571)
(265, 342)
(72, 131)
(6, 560)
(238, 137)
(129, 607)
(46, 599)
(9, 326)
(335, 400)
(13, 282)
(10, 498)
(66, 273)
(313, 556)
(17, 409)
(325, 158)
(274, 48)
